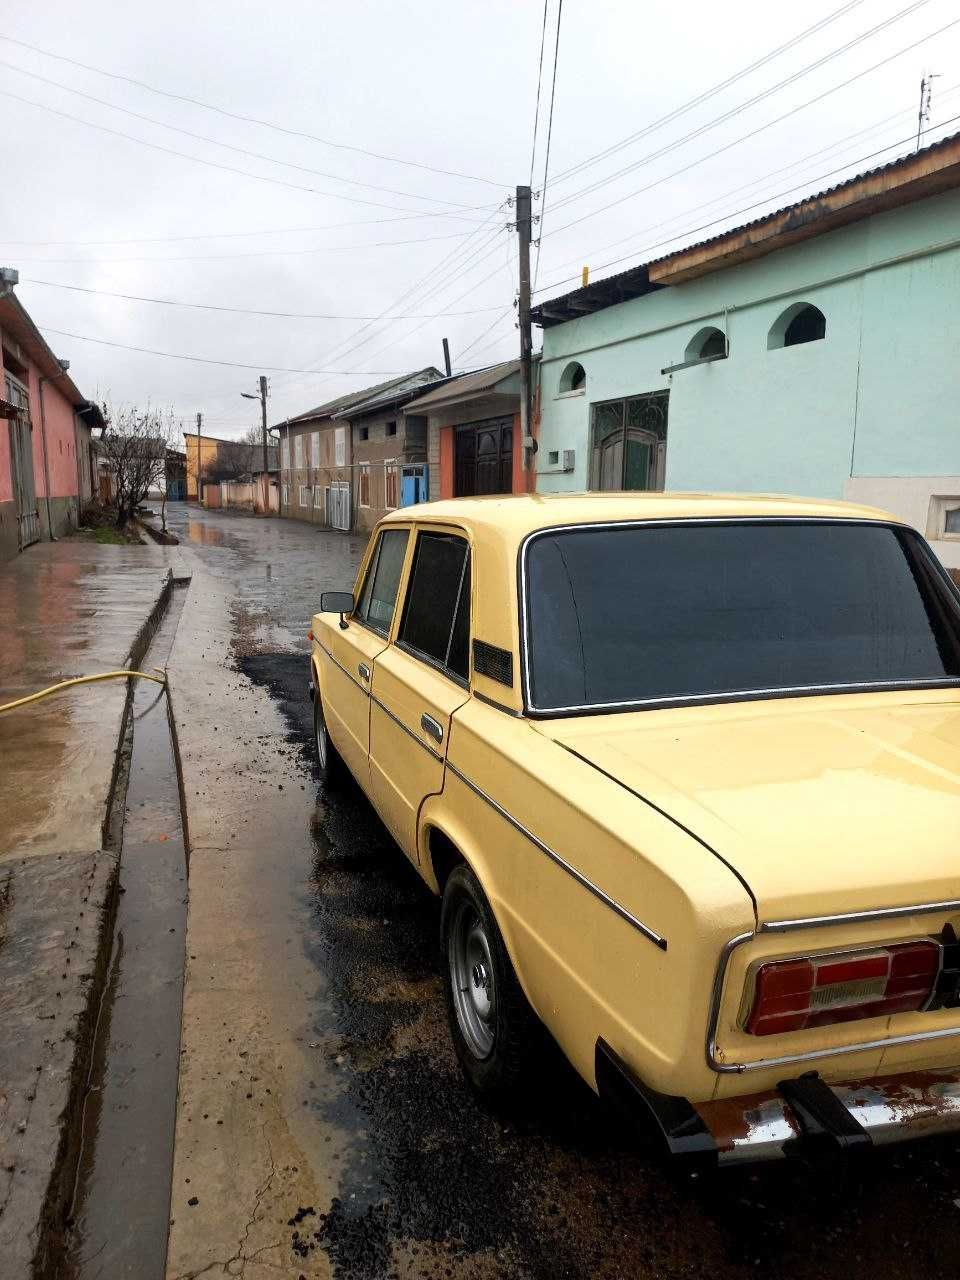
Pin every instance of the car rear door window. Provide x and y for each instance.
(436, 618)
(378, 598)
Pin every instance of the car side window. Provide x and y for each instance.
(378, 597)
(436, 616)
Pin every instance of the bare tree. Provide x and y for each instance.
(235, 460)
(135, 443)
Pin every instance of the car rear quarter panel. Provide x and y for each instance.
(586, 970)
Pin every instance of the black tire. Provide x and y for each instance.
(497, 1051)
(330, 764)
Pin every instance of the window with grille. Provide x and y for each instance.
(306, 494)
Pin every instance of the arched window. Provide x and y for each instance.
(573, 378)
(707, 342)
(801, 322)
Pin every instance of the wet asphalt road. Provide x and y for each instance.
(437, 1186)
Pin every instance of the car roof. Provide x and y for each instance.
(513, 517)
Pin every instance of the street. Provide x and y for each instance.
(323, 1126)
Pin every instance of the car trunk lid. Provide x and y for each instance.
(821, 805)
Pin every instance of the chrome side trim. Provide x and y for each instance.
(716, 1063)
(650, 934)
(337, 663)
(853, 917)
(407, 730)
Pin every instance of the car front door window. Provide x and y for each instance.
(436, 619)
(378, 598)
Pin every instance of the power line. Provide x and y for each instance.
(252, 253)
(243, 151)
(229, 364)
(234, 115)
(707, 94)
(216, 164)
(245, 311)
(225, 235)
(747, 208)
(758, 130)
(536, 112)
(503, 314)
(811, 155)
(546, 162)
(743, 106)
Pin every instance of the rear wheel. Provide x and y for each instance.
(495, 1032)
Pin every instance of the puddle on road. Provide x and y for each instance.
(122, 1200)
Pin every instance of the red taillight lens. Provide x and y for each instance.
(791, 995)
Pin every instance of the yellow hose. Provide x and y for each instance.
(67, 684)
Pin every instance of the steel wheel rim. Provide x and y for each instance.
(320, 733)
(473, 981)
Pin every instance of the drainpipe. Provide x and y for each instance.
(46, 462)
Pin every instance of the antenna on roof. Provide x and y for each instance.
(926, 97)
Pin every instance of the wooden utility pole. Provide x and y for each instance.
(524, 223)
(446, 356)
(199, 460)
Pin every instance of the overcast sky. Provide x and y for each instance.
(445, 87)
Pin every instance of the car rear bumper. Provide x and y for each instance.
(804, 1112)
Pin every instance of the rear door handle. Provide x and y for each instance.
(433, 728)
(364, 671)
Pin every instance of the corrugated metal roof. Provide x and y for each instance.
(410, 386)
(330, 407)
(468, 384)
(635, 281)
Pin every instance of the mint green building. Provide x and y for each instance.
(815, 351)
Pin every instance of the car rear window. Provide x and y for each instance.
(651, 613)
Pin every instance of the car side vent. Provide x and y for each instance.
(496, 664)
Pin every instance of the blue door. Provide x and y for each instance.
(413, 485)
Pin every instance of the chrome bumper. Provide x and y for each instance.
(765, 1126)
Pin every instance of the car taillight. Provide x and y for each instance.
(792, 995)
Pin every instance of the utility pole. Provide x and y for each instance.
(199, 457)
(446, 356)
(524, 223)
(266, 465)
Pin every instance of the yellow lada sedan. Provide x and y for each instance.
(685, 770)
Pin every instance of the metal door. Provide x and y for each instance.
(484, 458)
(21, 464)
(413, 485)
(338, 506)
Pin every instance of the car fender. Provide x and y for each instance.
(436, 816)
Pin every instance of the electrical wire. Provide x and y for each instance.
(732, 112)
(228, 146)
(253, 253)
(747, 208)
(707, 94)
(243, 311)
(229, 364)
(536, 112)
(754, 182)
(546, 163)
(469, 347)
(216, 164)
(235, 115)
(758, 130)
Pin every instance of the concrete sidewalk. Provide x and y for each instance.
(66, 609)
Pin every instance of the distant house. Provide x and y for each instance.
(813, 351)
(322, 481)
(48, 466)
(221, 460)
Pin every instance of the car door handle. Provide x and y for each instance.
(431, 727)
(364, 671)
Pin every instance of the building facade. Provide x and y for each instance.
(473, 434)
(323, 482)
(47, 454)
(811, 352)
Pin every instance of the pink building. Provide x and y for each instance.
(47, 464)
